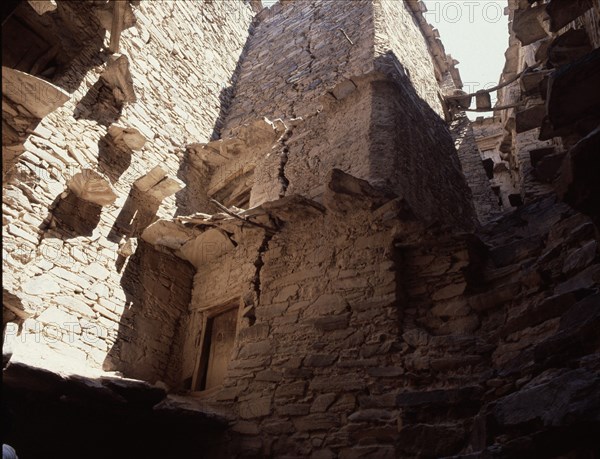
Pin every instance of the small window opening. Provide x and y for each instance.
(235, 191)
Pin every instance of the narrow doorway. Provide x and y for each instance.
(219, 334)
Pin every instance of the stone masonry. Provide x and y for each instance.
(236, 231)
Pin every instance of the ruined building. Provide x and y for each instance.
(236, 231)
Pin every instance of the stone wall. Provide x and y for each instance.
(396, 26)
(369, 322)
(491, 136)
(321, 291)
(370, 334)
(346, 101)
(297, 53)
(487, 204)
(552, 40)
(65, 258)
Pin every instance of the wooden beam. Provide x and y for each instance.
(119, 8)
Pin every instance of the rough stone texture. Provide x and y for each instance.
(528, 128)
(486, 203)
(328, 208)
(58, 238)
(350, 75)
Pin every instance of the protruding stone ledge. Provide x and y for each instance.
(345, 193)
(37, 96)
(127, 137)
(252, 135)
(113, 393)
(118, 77)
(157, 186)
(531, 24)
(105, 15)
(530, 117)
(43, 6)
(90, 186)
(562, 12)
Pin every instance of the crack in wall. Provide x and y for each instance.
(284, 157)
(259, 263)
(309, 68)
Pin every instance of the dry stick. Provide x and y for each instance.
(347, 37)
(494, 109)
(500, 86)
(234, 215)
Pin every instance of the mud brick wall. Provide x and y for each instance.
(68, 272)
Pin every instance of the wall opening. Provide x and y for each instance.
(28, 47)
(235, 189)
(216, 346)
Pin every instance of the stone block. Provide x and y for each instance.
(90, 186)
(268, 375)
(450, 291)
(322, 403)
(331, 323)
(581, 258)
(326, 304)
(547, 168)
(319, 360)
(317, 421)
(41, 285)
(551, 402)
(386, 372)
(416, 337)
(43, 6)
(245, 428)
(293, 409)
(561, 12)
(255, 408)
(37, 96)
(372, 415)
(322, 454)
(127, 137)
(118, 77)
(451, 308)
(494, 297)
(254, 333)
(290, 389)
(531, 24)
(371, 451)
(377, 401)
(75, 305)
(530, 117)
(277, 428)
(260, 348)
(336, 383)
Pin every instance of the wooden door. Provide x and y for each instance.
(222, 337)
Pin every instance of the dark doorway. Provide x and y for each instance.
(217, 346)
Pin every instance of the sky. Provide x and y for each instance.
(475, 33)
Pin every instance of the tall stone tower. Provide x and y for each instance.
(358, 82)
(247, 232)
